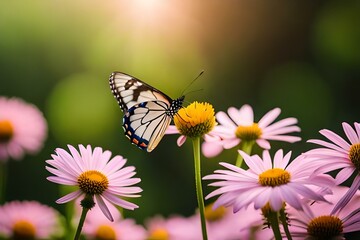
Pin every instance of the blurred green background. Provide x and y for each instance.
(302, 56)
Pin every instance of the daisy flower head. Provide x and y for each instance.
(317, 222)
(29, 220)
(98, 227)
(95, 175)
(339, 154)
(174, 228)
(223, 223)
(238, 126)
(267, 181)
(23, 128)
(195, 120)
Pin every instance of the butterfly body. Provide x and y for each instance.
(148, 111)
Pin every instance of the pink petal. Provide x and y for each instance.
(275, 200)
(347, 197)
(119, 202)
(328, 145)
(247, 115)
(335, 139)
(282, 130)
(290, 197)
(181, 140)
(263, 143)
(104, 208)
(357, 127)
(280, 124)
(350, 133)
(290, 139)
(269, 117)
(114, 164)
(263, 198)
(285, 160)
(172, 130)
(278, 159)
(224, 119)
(343, 175)
(254, 163)
(62, 180)
(76, 156)
(211, 149)
(230, 143)
(69, 197)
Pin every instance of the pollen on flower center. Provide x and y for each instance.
(195, 120)
(23, 229)
(93, 182)
(325, 227)
(105, 232)
(274, 177)
(159, 234)
(6, 130)
(354, 155)
(248, 133)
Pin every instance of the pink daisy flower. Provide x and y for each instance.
(267, 181)
(238, 125)
(23, 128)
(174, 228)
(97, 226)
(29, 220)
(339, 154)
(95, 175)
(317, 222)
(247, 223)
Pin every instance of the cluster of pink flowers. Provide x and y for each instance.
(307, 201)
(278, 184)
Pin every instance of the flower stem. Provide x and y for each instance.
(81, 223)
(246, 146)
(199, 192)
(274, 223)
(285, 224)
(2, 182)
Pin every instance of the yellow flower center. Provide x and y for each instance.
(325, 227)
(195, 120)
(23, 230)
(274, 177)
(214, 215)
(93, 182)
(354, 155)
(6, 131)
(248, 133)
(159, 234)
(105, 232)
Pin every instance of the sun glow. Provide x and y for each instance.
(150, 11)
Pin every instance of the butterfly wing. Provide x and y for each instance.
(145, 123)
(130, 91)
(148, 111)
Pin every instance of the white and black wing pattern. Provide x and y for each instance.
(148, 111)
(130, 91)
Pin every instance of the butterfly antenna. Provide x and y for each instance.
(183, 92)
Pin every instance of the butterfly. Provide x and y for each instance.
(147, 111)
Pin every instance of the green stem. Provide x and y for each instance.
(285, 224)
(246, 146)
(274, 223)
(2, 182)
(81, 223)
(199, 192)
